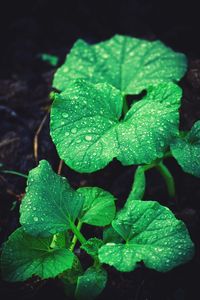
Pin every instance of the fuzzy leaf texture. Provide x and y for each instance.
(152, 235)
(129, 64)
(186, 150)
(88, 133)
(24, 256)
(49, 202)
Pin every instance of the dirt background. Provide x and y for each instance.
(29, 28)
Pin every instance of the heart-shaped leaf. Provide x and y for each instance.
(186, 150)
(24, 256)
(98, 206)
(129, 64)
(49, 202)
(152, 234)
(88, 133)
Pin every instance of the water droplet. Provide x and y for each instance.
(65, 115)
(88, 137)
(35, 219)
(73, 130)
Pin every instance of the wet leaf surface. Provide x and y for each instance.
(129, 64)
(24, 256)
(186, 150)
(152, 235)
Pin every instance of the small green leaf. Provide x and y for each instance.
(49, 202)
(139, 184)
(24, 256)
(129, 64)
(152, 234)
(91, 283)
(186, 150)
(61, 240)
(92, 246)
(88, 133)
(49, 58)
(98, 206)
(69, 278)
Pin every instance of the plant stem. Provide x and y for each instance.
(167, 154)
(125, 106)
(77, 234)
(167, 176)
(148, 167)
(14, 173)
(139, 182)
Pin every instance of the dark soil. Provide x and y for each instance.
(29, 28)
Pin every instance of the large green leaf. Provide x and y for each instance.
(91, 283)
(83, 121)
(88, 133)
(152, 234)
(49, 202)
(24, 256)
(150, 125)
(98, 206)
(186, 150)
(127, 63)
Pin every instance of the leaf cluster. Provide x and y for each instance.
(91, 124)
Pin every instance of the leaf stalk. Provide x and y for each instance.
(77, 234)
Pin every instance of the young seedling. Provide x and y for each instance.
(91, 124)
(51, 217)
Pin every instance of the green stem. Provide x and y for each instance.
(148, 167)
(139, 183)
(125, 106)
(167, 154)
(167, 176)
(14, 173)
(77, 234)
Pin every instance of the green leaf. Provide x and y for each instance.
(98, 206)
(49, 202)
(49, 58)
(69, 278)
(88, 133)
(129, 64)
(110, 235)
(24, 256)
(139, 184)
(61, 240)
(92, 246)
(83, 121)
(150, 125)
(152, 234)
(186, 150)
(91, 283)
